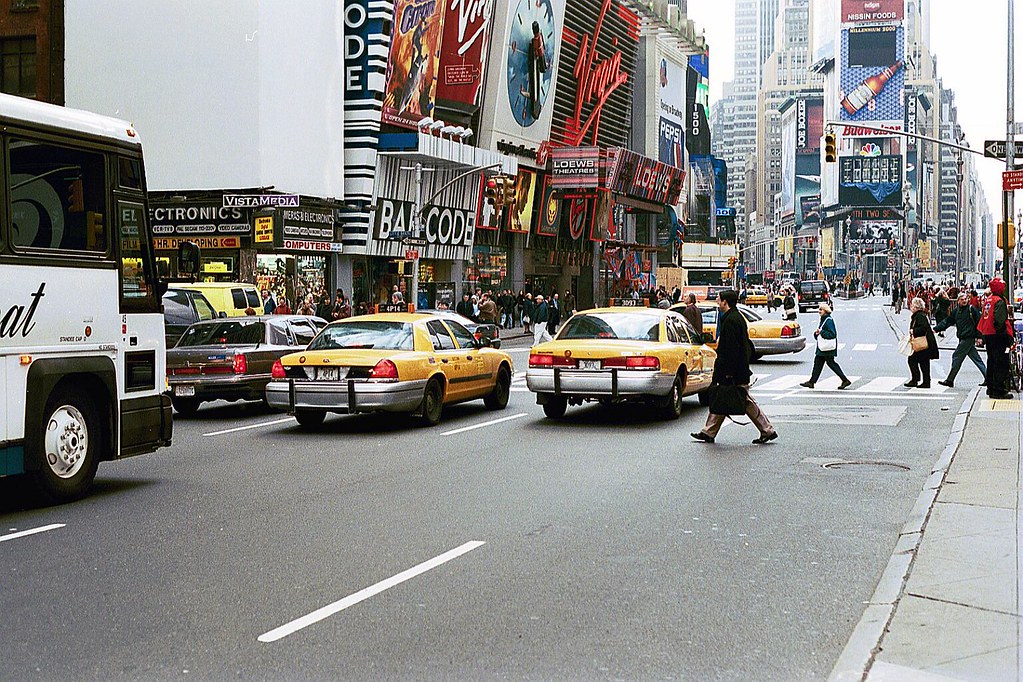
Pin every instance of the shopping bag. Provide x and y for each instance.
(727, 399)
(905, 347)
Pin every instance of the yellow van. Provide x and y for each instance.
(229, 298)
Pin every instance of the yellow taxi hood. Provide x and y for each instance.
(597, 348)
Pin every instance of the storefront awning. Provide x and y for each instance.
(442, 152)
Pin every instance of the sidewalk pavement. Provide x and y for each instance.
(947, 606)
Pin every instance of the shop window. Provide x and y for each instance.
(58, 197)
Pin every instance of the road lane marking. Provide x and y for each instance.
(782, 383)
(364, 594)
(480, 426)
(865, 346)
(250, 426)
(30, 531)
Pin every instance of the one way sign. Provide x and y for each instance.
(995, 149)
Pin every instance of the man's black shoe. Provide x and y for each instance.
(943, 382)
(910, 384)
(844, 385)
(700, 435)
(765, 438)
(807, 384)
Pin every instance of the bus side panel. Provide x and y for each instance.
(12, 453)
(145, 409)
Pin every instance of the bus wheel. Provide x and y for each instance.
(70, 442)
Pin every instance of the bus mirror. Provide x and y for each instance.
(188, 258)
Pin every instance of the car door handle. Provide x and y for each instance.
(468, 357)
(444, 360)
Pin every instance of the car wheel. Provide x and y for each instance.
(670, 406)
(433, 403)
(68, 446)
(309, 419)
(555, 406)
(186, 407)
(497, 399)
(704, 397)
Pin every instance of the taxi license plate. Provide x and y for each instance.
(331, 373)
(184, 391)
(589, 364)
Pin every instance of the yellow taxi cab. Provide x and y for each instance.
(769, 337)
(756, 296)
(621, 354)
(389, 362)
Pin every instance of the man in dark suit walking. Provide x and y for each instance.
(732, 368)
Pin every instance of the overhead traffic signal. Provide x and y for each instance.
(493, 189)
(830, 147)
(509, 189)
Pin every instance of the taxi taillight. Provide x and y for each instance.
(278, 370)
(633, 362)
(788, 331)
(385, 369)
(548, 360)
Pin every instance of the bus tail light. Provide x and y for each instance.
(385, 369)
(278, 370)
(633, 362)
(241, 365)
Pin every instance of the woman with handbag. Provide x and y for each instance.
(827, 349)
(923, 344)
(789, 305)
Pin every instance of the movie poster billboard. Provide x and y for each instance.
(671, 107)
(873, 74)
(808, 186)
(463, 54)
(411, 89)
(872, 11)
(869, 235)
(550, 210)
(520, 215)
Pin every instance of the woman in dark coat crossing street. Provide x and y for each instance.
(920, 361)
(827, 350)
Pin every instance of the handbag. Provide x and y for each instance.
(727, 399)
(905, 348)
(918, 343)
(826, 345)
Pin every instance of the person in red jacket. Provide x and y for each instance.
(996, 328)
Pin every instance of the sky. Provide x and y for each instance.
(972, 57)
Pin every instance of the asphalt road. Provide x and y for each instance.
(605, 545)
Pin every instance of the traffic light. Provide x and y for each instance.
(1001, 235)
(75, 196)
(731, 262)
(493, 189)
(509, 190)
(830, 147)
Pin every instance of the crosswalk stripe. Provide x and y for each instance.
(881, 385)
(832, 383)
(784, 383)
(865, 346)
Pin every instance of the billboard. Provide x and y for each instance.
(593, 100)
(575, 167)
(671, 107)
(550, 210)
(411, 90)
(523, 67)
(824, 15)
(788, 166)
(872, 82)
(870, 181)
(869, 236)
(808, 184)
(697, 104)
(872, 11)
(463, 55)
(637, 176)
(520, 215)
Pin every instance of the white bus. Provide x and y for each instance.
(82, 354)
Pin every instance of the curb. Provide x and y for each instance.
(859, 653)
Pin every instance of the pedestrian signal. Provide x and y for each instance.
(1011, 232)
(830, 148)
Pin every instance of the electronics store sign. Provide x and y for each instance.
(198, 219)
(441, 224)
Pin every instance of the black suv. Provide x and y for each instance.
(813, 292)
(182, 308)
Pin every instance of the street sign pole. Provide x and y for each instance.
(1010, 157)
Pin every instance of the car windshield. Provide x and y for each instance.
(623, 326)
(365, 334)
(226, 333)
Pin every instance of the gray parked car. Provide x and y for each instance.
(231, 359)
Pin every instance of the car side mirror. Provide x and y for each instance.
(222, 315)
(483, 343)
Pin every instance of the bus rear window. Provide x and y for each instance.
(58, 198)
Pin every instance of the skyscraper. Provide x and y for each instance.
(754, 42)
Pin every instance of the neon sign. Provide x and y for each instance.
(596, 80)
